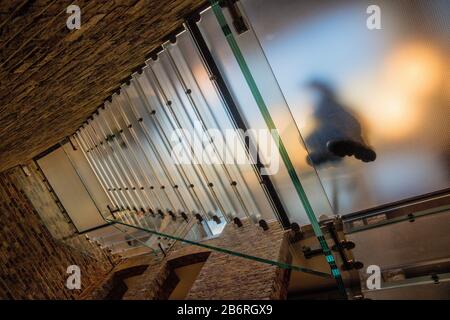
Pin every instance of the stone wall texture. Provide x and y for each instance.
(52, 78)
(33, 263)
(33, 260)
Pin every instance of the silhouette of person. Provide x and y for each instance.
(338, 133)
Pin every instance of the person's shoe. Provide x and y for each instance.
(350, 148)
(341, 148)
(365, 154)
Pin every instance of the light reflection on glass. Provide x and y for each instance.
(394, 80)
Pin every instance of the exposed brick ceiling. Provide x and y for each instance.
(52, 79)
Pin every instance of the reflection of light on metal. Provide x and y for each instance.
(411, 76)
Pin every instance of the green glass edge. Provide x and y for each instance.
(227, 251)
(282, 150)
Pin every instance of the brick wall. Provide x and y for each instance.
(33, 260)
(159, 280)
(224, 276)
(32, 263)
(53, 216)
(112, 286)
(52, 78)
(227, 276)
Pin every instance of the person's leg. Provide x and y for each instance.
(316, 145)
(350, 147)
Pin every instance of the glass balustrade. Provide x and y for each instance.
(167, 151)
(228, 128)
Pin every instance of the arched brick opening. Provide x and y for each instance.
(159, 284)
(119, 286)
(223, 275)
(114, 286)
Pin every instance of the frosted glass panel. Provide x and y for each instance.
(387, 88)
(88, 177)
(70, 190)
(278, 108)
(130, 144)
(133, 139)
